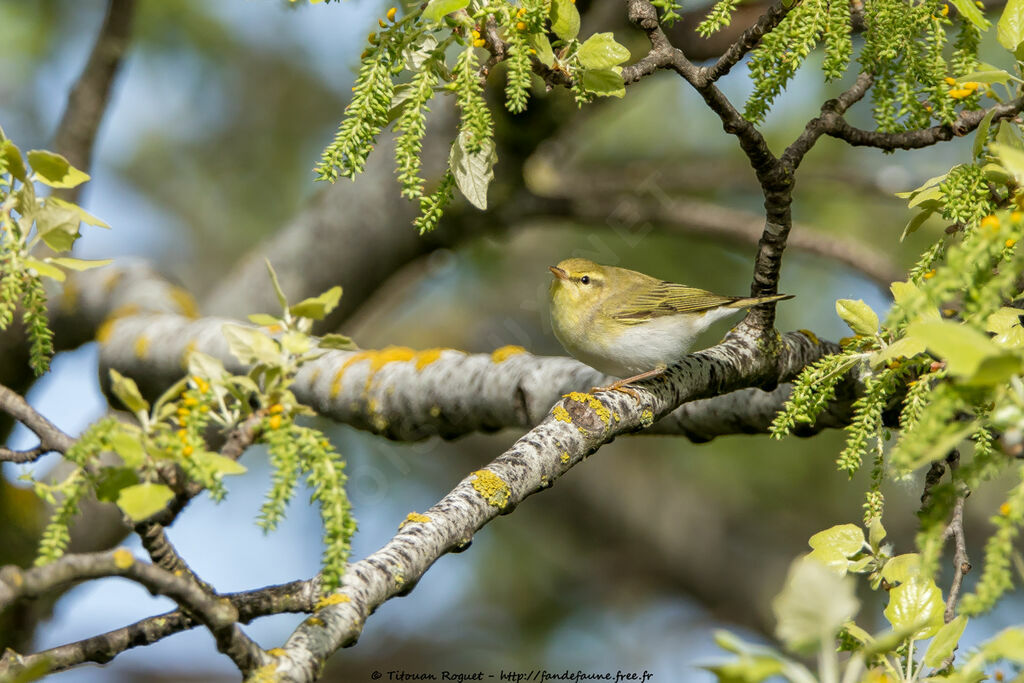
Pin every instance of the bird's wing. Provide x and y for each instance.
(667, 298)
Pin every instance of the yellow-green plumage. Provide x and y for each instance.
(622, 322)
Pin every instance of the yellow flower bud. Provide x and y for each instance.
(1009, 243)
(1004, 509)
(1016, 216)
(479, 42)
(275, 421)
(382, 23)
(930, 274)
(971, 85)
(276, 409)
(520, 26)
(950, 81)
(945, 10)
(960, 93)
(391, 13)
(187, 450)
(990, 222)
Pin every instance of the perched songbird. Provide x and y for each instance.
(628, 324)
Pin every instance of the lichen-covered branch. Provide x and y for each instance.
(220, 616)
(575, 428)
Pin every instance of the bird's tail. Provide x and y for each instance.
(754, 301)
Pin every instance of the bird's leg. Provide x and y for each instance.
(623, 384)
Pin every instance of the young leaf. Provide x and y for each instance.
(945, 641)
(813, 605)
(263, 320)
(337, 341)
(54, 170)
(437, 9)
(917, 604)
(962, 347)
(604, 83)
(473, 171)
(316, 308)
(250, 345)
(80, 264)
(277, 285)
(1010, 29)
(858, 315)
(143, 500)
(128, 446)
(540, 43)
(112, 480)
(981, 136)
(600, 51)
(10, 153)
(1011, 157)
(565, 19)
(968, 10)
(219, 463)
(82, 214)
(902, 568)
(127, 392)
(45, 269)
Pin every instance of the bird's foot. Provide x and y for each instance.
(623, 384)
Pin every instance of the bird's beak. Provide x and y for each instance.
(559, 273)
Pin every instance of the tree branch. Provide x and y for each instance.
(51, 438)
(297, 596)
(747, 41)
(577, 427)
(90, 95)
(217, 615)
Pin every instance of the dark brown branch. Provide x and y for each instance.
(216, 614)
(297, 596)
(831, 111)
(90, 95)
(51, 438)
(20, 457)
(955, 530)
(747, 41)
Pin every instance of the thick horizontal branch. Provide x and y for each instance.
(218, 615)
(574, 429)
(402, 393)
(297, 596)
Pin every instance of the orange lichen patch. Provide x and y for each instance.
(594, 403)
(414, 518)
(123, 558)
(141, 346)
(379, 358)
(333, 599)
(491, 488)
(426, 357)
(505, 352)
(561, 414)
(187, 306)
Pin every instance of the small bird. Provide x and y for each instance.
(632, 325)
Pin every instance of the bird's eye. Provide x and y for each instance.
(585, 280)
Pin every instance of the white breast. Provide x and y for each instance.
(645, 346)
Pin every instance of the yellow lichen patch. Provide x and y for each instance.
(647, 417)
(491, 488)
(377, 359)
(276, 652)
(594, 403)
(561, 414)
(414, 518)
(333, 599)
(141, 346)
(123, 558)
(505, 352)
(426, 357)
(187, 306)
(315, 621)
(565, 456)
(336, 383)
(810, 335)
(315, 376)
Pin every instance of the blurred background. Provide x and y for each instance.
(635, 557)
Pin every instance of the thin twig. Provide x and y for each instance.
(21, 457)
(955, 530)
(747, 41)
(51, 438)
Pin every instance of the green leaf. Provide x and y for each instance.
(54, 170)
(968, 10)
(916, 222)
(249, 345)
(1008, 326)
(128, 446)
(218, 463)
(317, 308)
(1010, 29)
(437, 9)
(931, 182)
(901, 348)
(296, 343)
(565, 19)
(916, 604)
(945, 641)
(540, 43)
(112, 480)
(277, 285)
(1011, 158)
(82, 214)
(987, 76)
(206, 366)
(902, 568)
(45, 269)
(172, 392)
(600, 51)
(57, 226)
(962, 347)
(264, 320)
(995, 370)
(418, 52)
(473, 171)
(876, 534)
(846, 538)
(128, 392)
(1007, 644)
(80, 264)
(981, 135)
(12, 155)
(858, 315)
(1007, 135)
(813, 605)
(144, 500)
(604, 83)
(927, 195)
(337, 341)
(747, 669)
